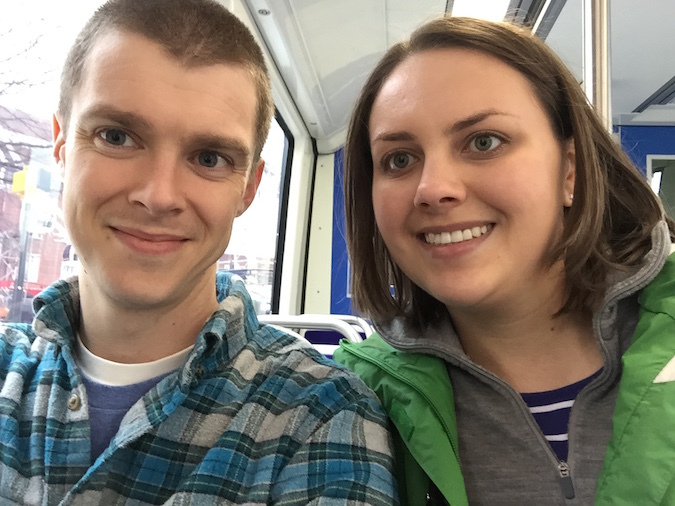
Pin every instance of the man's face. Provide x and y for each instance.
(157, 161)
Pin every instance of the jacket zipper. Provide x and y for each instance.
(566, 485)
(564, 473)
(562, 467)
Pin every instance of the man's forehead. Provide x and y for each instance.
(111, 43)
(127, 74)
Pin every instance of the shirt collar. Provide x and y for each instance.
(223, 336)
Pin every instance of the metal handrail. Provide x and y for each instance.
(356, 321)
(314, 322)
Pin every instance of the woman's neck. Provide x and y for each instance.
(524, 343)
(535, 354)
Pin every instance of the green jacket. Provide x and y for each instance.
(639, 465)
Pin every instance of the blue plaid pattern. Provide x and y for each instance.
(254, 417)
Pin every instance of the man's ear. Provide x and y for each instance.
(59, 136)
(251, 187)
(569, 172)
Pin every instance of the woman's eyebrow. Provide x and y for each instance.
(472, 120)
(458, 126)
(393, 136)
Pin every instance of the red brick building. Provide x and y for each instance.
(26, 141)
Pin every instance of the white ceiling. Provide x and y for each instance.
(324, 50)
(642, 48)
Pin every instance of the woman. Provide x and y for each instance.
(527, 259)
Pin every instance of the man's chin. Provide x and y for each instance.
(142, 298)
(143, 289)
(138, 294)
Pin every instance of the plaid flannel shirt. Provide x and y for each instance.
(254, 417)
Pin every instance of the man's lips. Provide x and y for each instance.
(149, 236)
(150, 243)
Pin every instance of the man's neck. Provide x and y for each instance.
(126, 334)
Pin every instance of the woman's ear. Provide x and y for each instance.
(569, 172)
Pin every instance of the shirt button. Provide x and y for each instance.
(74, 402)
(199, 371)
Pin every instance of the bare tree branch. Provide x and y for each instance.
(20, 133)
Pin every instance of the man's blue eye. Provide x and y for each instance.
(115, 137)
(208, 158)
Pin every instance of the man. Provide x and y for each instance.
(134, 385)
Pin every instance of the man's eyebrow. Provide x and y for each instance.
(230, 144)
(124, 118)
(136, 121)
(472, 120)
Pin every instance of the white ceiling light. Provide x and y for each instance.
(492, 10)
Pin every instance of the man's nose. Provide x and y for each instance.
(158, 187)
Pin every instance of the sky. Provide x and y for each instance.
(34, 38)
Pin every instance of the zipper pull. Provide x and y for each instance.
(566, 485)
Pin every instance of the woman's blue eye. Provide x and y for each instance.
(115, 137)
(484, 143)
(399, 161)
(208, 158)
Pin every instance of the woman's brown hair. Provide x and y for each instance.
(608, 226)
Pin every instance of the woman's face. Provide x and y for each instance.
(469, 180)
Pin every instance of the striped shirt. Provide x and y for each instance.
(254, 416)
(551, 410)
